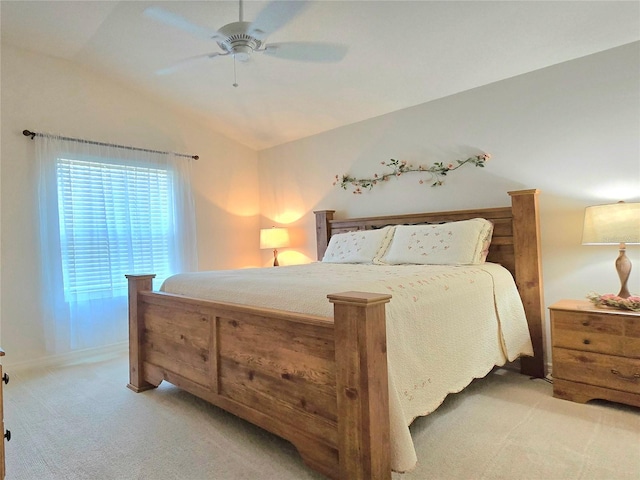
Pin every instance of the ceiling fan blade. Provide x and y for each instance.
(307, 51)
(186, 62)
(274, 16)
(175, 20)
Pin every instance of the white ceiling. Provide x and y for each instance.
(401, 53)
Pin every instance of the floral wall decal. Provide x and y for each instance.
(435, 173)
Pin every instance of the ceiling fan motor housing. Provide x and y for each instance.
(237, 41)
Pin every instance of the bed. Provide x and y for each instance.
(330, 381)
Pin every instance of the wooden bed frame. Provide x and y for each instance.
(319, 383)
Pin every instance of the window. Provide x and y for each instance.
(114, 219)
(105, 212)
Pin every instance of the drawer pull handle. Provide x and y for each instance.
(7, 435)
(586, 341)
(586, 323)
(631, 378)
(5, 378)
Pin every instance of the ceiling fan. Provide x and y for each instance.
(241, 39)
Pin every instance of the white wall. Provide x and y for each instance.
(571, 130)
(51, 95)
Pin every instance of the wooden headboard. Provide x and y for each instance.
(515, 245)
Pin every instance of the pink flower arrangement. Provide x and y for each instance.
(610, 300)
(437, 171)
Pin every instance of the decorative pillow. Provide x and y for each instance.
(362, 246)
(455, 243)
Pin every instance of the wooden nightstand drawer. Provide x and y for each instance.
(588, 322)
(606, 371)
(589, 341)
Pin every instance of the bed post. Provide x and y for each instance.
(323, 230)
(137, 283)
(526, 237)
(362, 385)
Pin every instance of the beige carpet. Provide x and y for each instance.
(81, 422)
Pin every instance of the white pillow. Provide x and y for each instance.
(362, 246)
(455, 243)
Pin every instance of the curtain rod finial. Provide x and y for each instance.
(27, 133)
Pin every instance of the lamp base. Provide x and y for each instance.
(623, 267)
(275, 258)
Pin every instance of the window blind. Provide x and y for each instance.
(114, 219)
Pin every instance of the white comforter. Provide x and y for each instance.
(446, 325)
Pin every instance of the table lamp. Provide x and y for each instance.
(615, 223)
(274, 238)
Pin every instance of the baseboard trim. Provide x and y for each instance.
(88, 355)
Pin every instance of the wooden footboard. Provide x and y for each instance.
(319, 383)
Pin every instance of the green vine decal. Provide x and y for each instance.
(436, 173)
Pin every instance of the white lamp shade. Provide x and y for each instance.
(611, 224)
(274, 237)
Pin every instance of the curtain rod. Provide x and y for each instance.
(28, 133)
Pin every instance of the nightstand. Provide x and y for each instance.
(596, 353)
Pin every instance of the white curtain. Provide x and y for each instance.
(105, 212)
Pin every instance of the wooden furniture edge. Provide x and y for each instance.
(362, 387)
(526, 233)
(582, 393)
(137, 284)
(323, 230)
(587, 306)
(6, 434)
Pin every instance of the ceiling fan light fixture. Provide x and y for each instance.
(242, 53)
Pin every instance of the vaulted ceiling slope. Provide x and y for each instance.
(399, 53)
